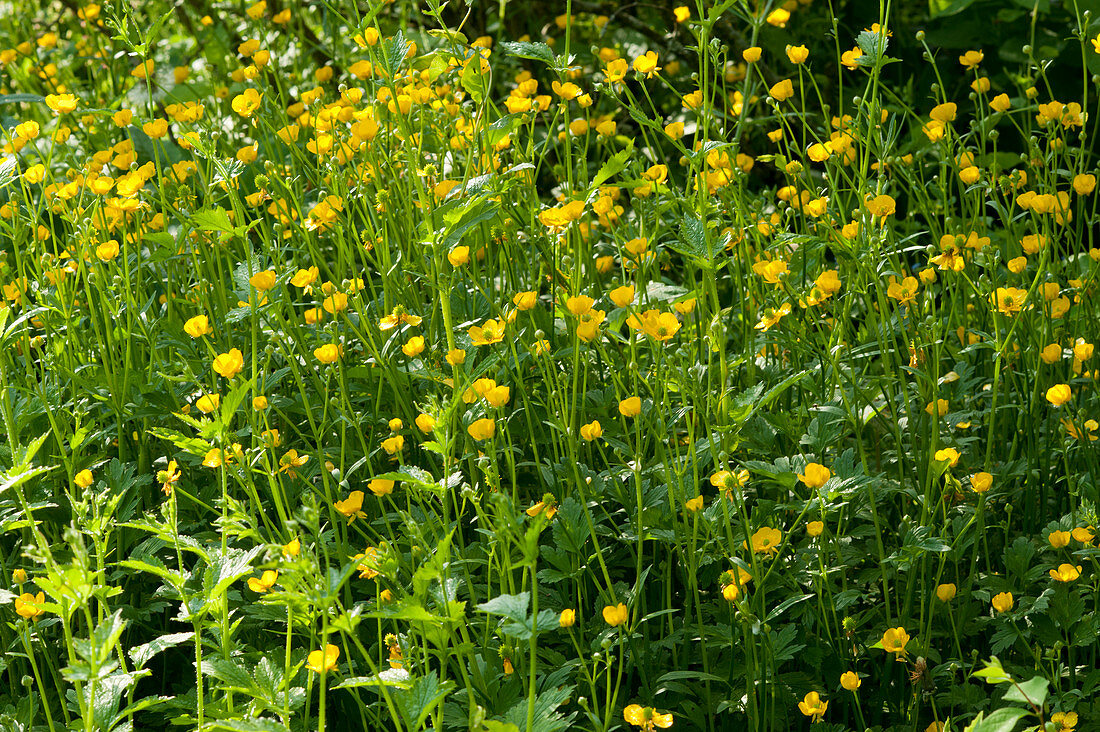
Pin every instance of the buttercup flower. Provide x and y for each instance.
(1003, 602)
(321, 662)
(813, 706)
(616, 615)
(647, 718)
(894, 641)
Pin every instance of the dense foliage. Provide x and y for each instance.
(546, 366)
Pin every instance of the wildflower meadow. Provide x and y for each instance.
(530, 366)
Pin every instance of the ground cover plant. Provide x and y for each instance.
(545, 366)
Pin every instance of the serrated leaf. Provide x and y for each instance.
(535, 51)
(1032, 692)
(141, 654)
(213, 219)
(1002, 720)
(513, 607)
(227, 568)
(229, 673)
(612, 167)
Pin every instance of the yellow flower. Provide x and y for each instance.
(616, 70)
(568, 618)
(264, 583)
(482, 429)
(948, 455)
(459, 256)
(1065, 573)
(107, 251)
(894, 640)
(61, 103)
(850, 680)
(229, 364)
(1000, 103)
(1059, 539)
(1059, 394)
(19, 576)
(694, 504)
(630, 407)
(591, 431)
(881, 206)
(778, 17)
(247, 103)
(425, 422)
(207, 403)
(657, 325)
(815, 528)
(815, 475)
(946, 592)
(352, 506)
(393, 445)
(263, 281)
(198, 326)
(498, 396)
(751, 54)
(813, 706)
(647, 64)
(380, 487)
(487, 334)
(971, 59)
(766, 540)
(682, 14)
(905, 292)
(647, 718)
(291, 548)
(782, 90)
(525, 300)
(797, 54)
(413, 347)
(29, 606)
(616, 615)
(327, 353)
(1083, 534)
(1066, 721)
(168, 477)
(981, 482)
(622, 296)
(944, 113)
(1003, 602)
(322, 662)
(1009, 300)
(83, 479)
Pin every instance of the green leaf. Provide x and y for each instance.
(873, 46)
(942, 8)
(530, 50)
(141, 654)
(693, 242)
(246, 725)
(213, 219)
(17, 98)
(227, 568)
(422, 698)
(782, 607)
(513, 607)
(1032, 692)
(1002, 720)
(612, 167)
(993, 673)
(229, 673)
(9, 172)
(173, 578)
